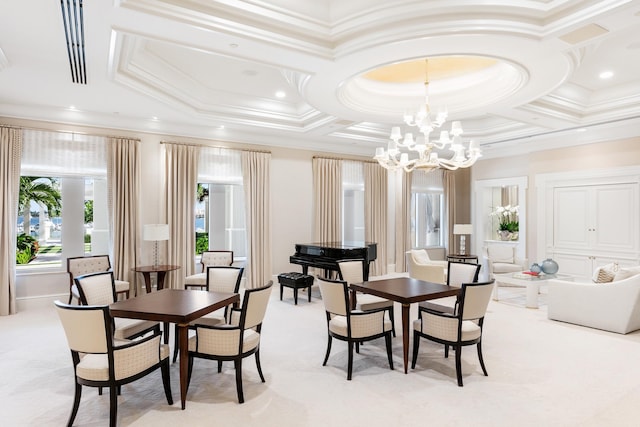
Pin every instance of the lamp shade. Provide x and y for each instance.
(155, 232)
(462, 229)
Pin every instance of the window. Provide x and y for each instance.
(427, 210)
(352, 202)
(63, 199)
(220, 212)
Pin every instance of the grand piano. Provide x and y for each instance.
(325, 255)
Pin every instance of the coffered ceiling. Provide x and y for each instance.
(520, 75)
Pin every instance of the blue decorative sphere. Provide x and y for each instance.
(535, 268)
(549, 266)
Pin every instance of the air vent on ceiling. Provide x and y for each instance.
(584, 33)
(73, 20)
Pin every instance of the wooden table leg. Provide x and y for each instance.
(147, 280)
(160, 284)
(183, 334)
(405, 335)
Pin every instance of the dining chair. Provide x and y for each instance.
(79, 266)
(208, 258)
(352, 326)
(236, 339)
(352, 271)
(462, 328)
(218, 279)
(100, 360)
(457, 274)
(99, 289)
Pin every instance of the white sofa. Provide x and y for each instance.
(613, 306)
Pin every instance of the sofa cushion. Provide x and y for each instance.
(500, 253)
(420, 256)
(606, 273)
(625, 273)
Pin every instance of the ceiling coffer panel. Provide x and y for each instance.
(73, 21)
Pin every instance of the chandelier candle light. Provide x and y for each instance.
(427, 159)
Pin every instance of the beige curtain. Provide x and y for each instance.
(327, 197)
(403, 220)
(10, 152)
(449, 184)
(181, 186)
(375, 214)
(123, 181)
(256, 176)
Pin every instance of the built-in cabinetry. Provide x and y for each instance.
(590, 219)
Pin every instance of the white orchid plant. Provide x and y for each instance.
(507, 218)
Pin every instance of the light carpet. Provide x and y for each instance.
(541, 373)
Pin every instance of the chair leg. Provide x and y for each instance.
(76, 404)
(446, 351)
(176, 343)
(350, 362)
(416, 345)
(358, 347)
(219, 366)
(238, 366)
(482, 360)
(326, 356)
(166, 381)
(393, 323)
(257, 354)
(458, 350)
(387, 339)
(113, 406)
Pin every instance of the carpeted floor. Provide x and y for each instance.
(541, 373)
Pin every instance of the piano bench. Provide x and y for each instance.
(295, 281)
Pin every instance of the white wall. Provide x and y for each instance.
(599, 156)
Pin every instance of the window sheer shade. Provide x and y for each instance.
(220, 165)
(60, 154)
(352, 175)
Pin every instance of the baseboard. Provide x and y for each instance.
(39, 302)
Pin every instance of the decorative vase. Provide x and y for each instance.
(515, 235)
(535, 268)
(504, 234)
(549, 266)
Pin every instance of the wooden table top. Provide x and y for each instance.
(155, 268)
(172, 305)
(405, 290)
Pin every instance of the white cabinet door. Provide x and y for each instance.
(614, 227)
(571, 212)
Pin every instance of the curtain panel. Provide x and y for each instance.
(403, 218)
(327, 196)
(10, 154)
(123, 188)
(449, 185)
(257, 193)
(181, 172)
(375, 211)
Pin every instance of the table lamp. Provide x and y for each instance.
(155, 233)
(462, 230)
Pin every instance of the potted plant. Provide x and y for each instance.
(508, 224)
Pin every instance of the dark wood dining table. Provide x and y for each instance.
(177, 306)
(406, 291)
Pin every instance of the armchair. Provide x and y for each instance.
(79, 266)
(209, 258)
(502, 259)
(424, 268)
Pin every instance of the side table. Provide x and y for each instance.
(462, 258)
(160, 270)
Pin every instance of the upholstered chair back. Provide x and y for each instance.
(79, 266)
(96, 288)
(255, 303)
(222, 258)
(334, 296)
(351, 271)
(223, 279)
(460, 272)
(85, 327)
(475, 299)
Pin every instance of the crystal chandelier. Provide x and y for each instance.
(394, 158)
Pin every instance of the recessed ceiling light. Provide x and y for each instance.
(154, 118)
(281, 94)
(233, 45)
(72, 107)
(220, 127)
(581, 130)
(606, 74)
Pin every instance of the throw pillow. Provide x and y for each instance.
(420, 256)
(625, 273)
(606, 273)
